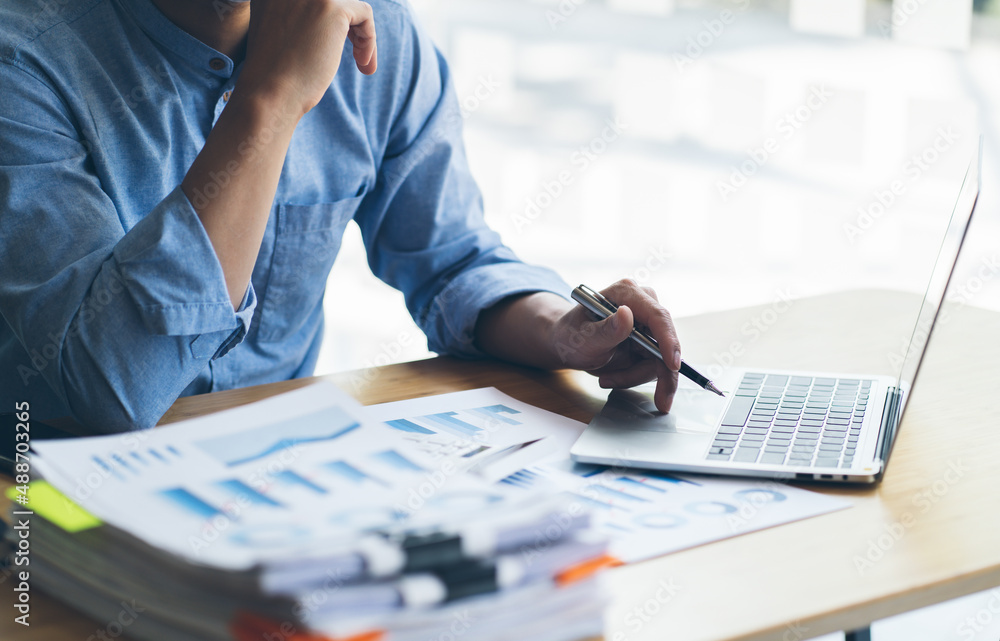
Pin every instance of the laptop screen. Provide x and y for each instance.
(944, 267)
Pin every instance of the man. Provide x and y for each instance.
(175, 177)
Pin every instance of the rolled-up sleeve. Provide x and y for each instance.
(116, 322)
(423, 223)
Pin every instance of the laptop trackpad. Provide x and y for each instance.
(693, 411)
(630, 427)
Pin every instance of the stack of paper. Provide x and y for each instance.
(308, 516)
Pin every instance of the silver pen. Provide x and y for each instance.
(597, 304)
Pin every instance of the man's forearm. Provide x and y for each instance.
(233, 180)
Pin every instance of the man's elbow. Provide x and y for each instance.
(101, 409)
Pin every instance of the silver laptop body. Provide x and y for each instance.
(791, 425)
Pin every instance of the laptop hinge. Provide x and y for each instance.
(890, 424)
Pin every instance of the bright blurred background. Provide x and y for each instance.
(727, 153)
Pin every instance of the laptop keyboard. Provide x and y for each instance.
(793, 420)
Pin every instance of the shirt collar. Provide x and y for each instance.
(159, 28)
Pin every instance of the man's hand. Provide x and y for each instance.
(603, 348)
(294, 48)
(547, 331)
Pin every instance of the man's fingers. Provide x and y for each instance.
(641, 372)
(648, 313)
(666, 387)
(362, 36)
(365, 55)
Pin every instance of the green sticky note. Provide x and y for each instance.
(50, 503)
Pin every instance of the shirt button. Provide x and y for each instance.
(226, 96)
(217, 64)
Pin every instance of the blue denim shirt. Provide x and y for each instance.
(113, 301)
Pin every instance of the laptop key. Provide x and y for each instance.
(725, 429)
(739, 410)
(745, 455)
(826, 462)
(772, 459)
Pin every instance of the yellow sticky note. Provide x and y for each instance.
(53, 505)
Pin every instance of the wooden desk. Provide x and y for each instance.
(931, 531)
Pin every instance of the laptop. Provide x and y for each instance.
(789, 425)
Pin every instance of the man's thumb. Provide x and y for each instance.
(615, 328)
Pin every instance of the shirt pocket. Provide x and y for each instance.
(307, 240)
